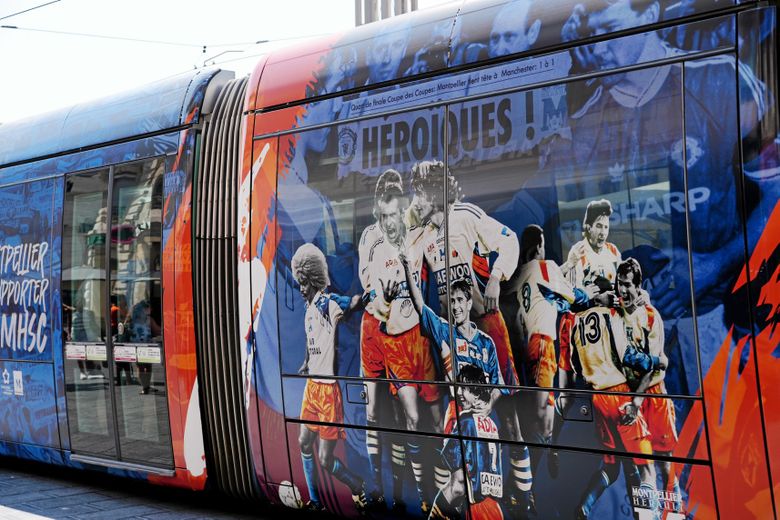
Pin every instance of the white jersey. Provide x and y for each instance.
(586, 264)
(645, 332)
(322, 316)
(369, 236)
(599, 336)
(540, 284)
(473, 236)
(384, 269)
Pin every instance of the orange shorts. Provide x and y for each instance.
(408, 357)
(322, 403)
(494, 326)
(565, 328)
(633, 438)
(540, 361)
(372, 358)
(486, 509)
(660, 417)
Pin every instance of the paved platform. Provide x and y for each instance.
(31, 491)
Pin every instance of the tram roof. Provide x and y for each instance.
(155, 107)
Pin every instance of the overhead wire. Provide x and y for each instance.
(147, 41)
(101, 36)
(28, 10)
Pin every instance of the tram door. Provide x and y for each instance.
(112, 316)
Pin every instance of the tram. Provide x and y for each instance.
(493, 259)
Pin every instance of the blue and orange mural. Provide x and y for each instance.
(638, 146)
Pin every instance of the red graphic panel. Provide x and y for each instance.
(179, 326)
(733, 412)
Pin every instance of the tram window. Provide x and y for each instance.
(601, 186)
(84, 257)
(136, 241)
(346, 209)
(87, 380)
(136, 312)
(112, 313)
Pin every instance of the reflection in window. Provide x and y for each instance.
(84, 260)
(136, 236)
(117, 380)
(136, 311)
(85, 225)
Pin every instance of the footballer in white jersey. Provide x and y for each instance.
(398, 314)
(323, 313)
(600, 350)
(593, 260)
(645, 331)
(390, 342)
(473, 236)
(542, 292)
(392, 334)
(321, 409)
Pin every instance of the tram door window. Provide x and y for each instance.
(112, 311)
(84, 314)
(136, 312)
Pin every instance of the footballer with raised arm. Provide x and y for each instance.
(322, 402)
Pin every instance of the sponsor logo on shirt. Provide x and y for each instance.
(486, 427)
(491, 484)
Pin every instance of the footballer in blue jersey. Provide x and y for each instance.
(483, 481)
(473, 349)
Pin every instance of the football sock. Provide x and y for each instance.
(598, 483)
(374, 457)
(310, 471)
(398, 467)
(415, 455)
(441, 476)
(340, 471)
(522, 477)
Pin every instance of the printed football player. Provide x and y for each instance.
(593, 260)
(474, 238)
(322, 397)
(645, 332)
(483, 459)
(542, 292)
(632, 121)
(387, 50)
(372, 356)
(515, 28)
(407, 356)
(473, 348)
(598, 346)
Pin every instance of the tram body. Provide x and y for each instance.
(490, 260)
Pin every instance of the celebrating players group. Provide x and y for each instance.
(586, 324)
